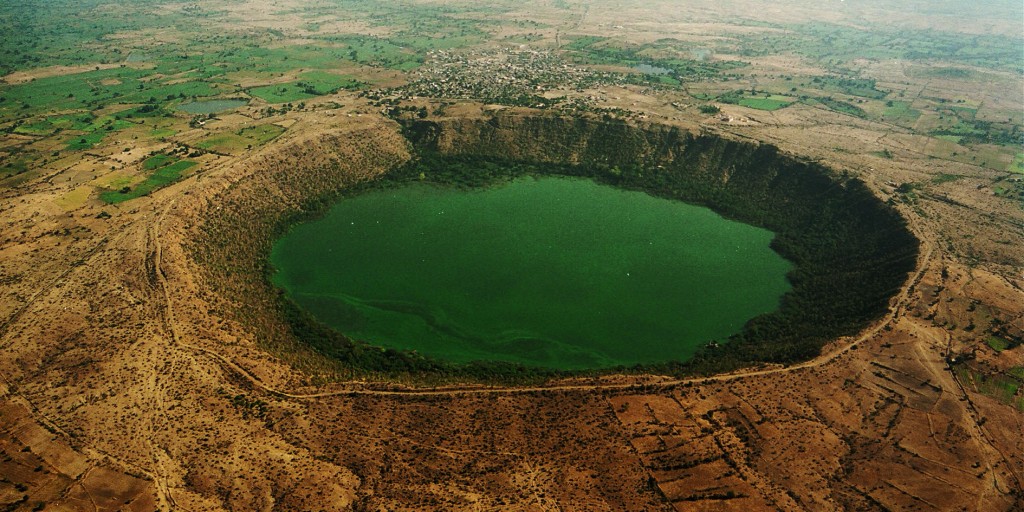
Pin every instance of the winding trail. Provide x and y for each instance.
(164, 499)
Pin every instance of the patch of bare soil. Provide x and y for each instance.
(20, 77)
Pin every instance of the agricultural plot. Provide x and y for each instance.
(1000, 387)
(325, 83)
(54, 124)
(1017, 166)
(157, 161)
(146, 111)
(379, 52)
(246, 138)
(960, 131)
(987, 155)
(311, 84)
(37, 37)
(663, 80)
(159, 133)
(75, 198)
(95, 131)
(771, 102)
(116, 180)
(261, 134)
(94, 89)
(268, 60)
(160, 178)
(211, 106)
(843, 107)
(835, 46)
(864, 88)
(997, 343)
(900, 112)
(280, 93)
(85, 141)
(673, 56)
(750, 99)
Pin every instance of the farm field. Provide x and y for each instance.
(243, 139)
(159, 178)
(771, 102)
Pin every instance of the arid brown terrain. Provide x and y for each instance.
(134, 378)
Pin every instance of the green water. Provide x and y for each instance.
(553, 272)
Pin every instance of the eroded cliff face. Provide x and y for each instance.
(555, 139)
(852, 252)
(715, 162)
(238, 219)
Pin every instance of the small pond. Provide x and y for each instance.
(211, 106)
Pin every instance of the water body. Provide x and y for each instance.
(211, 106)
(553, 272)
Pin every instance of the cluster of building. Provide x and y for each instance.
(511, 76)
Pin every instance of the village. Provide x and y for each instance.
(510, 76)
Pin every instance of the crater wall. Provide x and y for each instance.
(851, 251)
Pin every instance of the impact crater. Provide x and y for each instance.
(850, 252)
